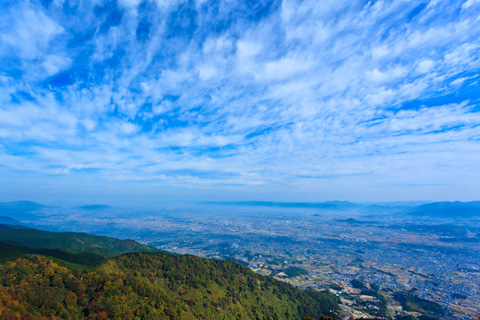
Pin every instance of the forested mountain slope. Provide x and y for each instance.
(146, 286)
(73, 242)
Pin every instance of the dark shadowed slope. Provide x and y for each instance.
(87, 259)
(72, 242)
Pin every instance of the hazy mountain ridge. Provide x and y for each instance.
(443, 209)
(94, 207)
(20, 210)
(448, 209)
(23, 205)
(327, 205)
(8, 220)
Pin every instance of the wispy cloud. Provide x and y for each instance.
(304, 100)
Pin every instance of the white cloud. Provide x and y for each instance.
(467, 4)
(335, 91)
(128, 128)
(284, 68)
(458, 81)
(246, 52)
(52, 64)
(207, 71)
(29, 33)
(380, 52)
(425, 66)
(89, 124)
(386, 76)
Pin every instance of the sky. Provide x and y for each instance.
(146, 101)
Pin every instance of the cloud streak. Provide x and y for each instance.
(303, 100)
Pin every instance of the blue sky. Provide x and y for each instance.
(104, 101)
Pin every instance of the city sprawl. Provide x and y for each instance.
(381, 265)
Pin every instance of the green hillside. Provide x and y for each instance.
(413, 303)
(87, 259)
(152, 286)
(43, 283)
(72, 242)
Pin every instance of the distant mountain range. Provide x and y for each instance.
(28, 210)
(8, 220)
(20, 210)
(434, 209)
(30, 206)
(20, 206)
(93, 207)
(327, 205)
(448, 209)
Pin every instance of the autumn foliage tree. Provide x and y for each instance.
(150, 286)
